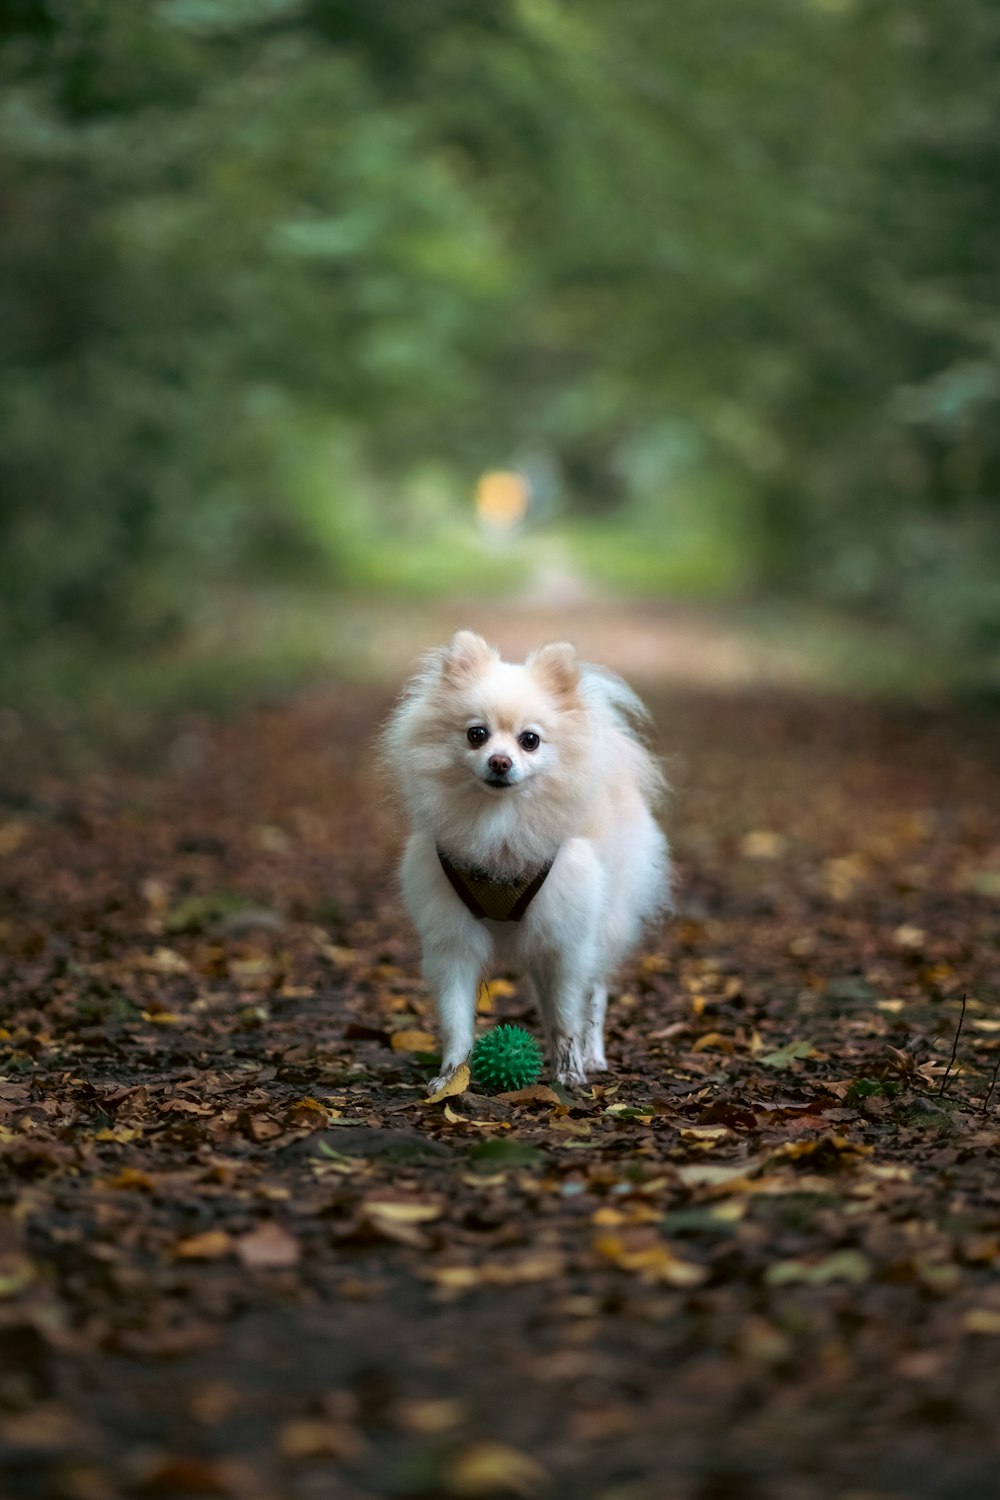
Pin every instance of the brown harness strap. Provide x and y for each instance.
(499, 900)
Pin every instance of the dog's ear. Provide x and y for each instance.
(467, 656)
(556, 666)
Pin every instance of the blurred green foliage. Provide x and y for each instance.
(278, 278)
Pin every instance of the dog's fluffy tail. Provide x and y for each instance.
(608, 694)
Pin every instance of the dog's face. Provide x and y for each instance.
(507, 726)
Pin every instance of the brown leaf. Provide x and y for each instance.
(316, 1438)
(535, 1093)
(268, 1248)
(412, 1041)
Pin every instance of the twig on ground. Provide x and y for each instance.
(993, 1084)
(954, 1049)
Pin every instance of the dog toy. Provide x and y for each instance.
(505, 1058)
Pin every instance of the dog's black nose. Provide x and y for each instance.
(500, 764)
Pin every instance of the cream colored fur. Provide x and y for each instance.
(582, 798)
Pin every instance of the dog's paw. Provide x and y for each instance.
(569, 1063)
(452, 1081)
(571, 1077)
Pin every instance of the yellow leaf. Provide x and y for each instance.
(412, 1041)
(412, 1211)
(909, 936)
(163, 1018)
(430, 1417)
(607, 1218)
(312, 1437)
(212, 1245)
(762, 843)
(532, 1265)
(656, 1262)
(714, 1041)
(492, 1468)
(13, 835)
(17, 1273)
(457, 1278)
(710, 1175)
(165, 961)
(310, 1112)
(453, 1119)
(456, 1084)
(342, 957)
(824, 1145)
(981, 1320)
(707, 1134)
(133, 1178)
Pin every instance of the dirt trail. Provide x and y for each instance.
(243, 1258)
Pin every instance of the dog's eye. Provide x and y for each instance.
(477, 735)
(528, 740)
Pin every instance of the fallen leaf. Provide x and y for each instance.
(212, 1245)
(412, 1041)
(535, 1093)
(763, 843)
(316, 1438)
(981, 1320)
(708, 1174)
(131, 1179)
(454, 1119)
(456, 1084)
(268, 1248)
(517, 1270)
(427, 1418)
(403, 1210)
(714, 1041)
(785, 1056)
(653, 1262)
(494, 1468)
(165, 961)
(842, 1265)
(17, 1273)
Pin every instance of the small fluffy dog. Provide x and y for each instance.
(533, 844)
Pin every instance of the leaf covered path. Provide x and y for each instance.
(242, 1257)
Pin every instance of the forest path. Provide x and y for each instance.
(242, 1257)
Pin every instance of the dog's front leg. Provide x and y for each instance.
(453, 976)
(594, 1060)
(562, 996)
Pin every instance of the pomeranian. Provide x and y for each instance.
(533, 844)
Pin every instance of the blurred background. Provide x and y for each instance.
(319, 314)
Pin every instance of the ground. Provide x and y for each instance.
(244, 1257)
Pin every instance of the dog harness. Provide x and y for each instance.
(500, 900)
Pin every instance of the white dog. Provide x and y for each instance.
(533, 845)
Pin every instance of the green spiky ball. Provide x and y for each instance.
(504, 1059)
